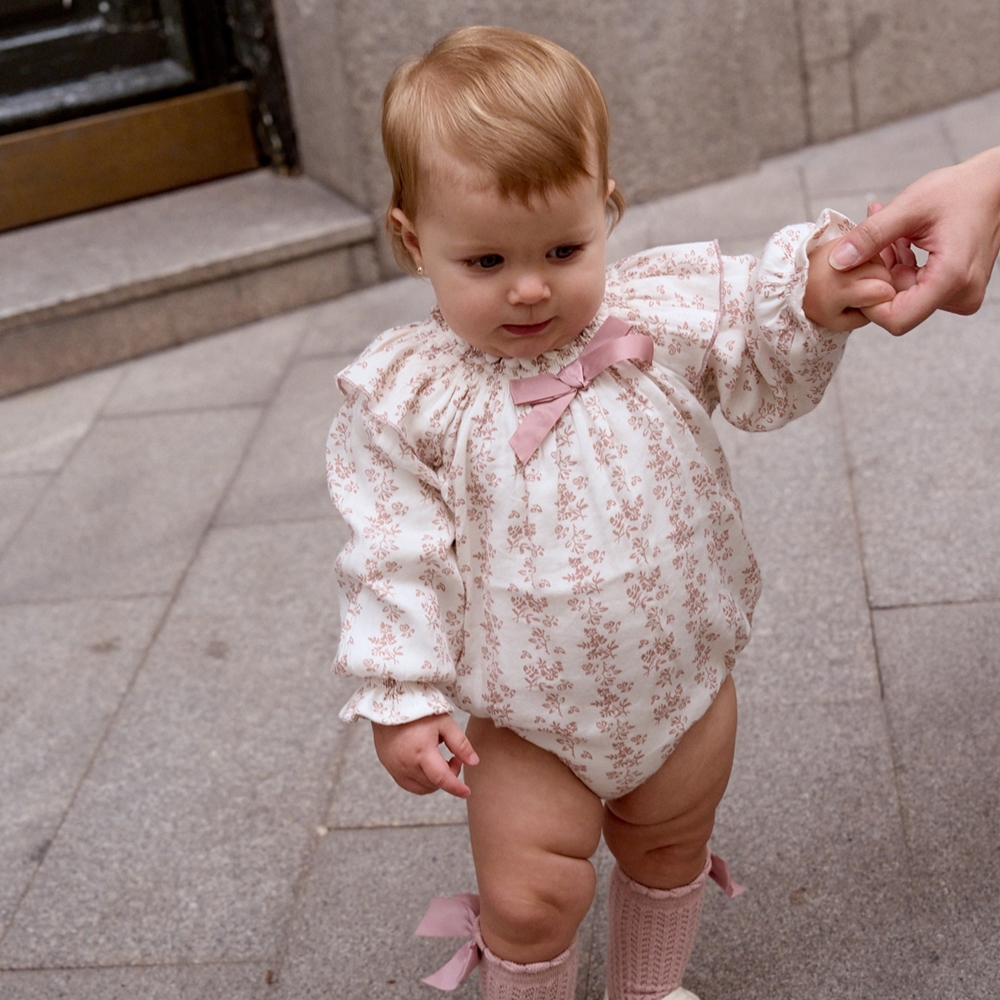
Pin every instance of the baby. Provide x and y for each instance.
(543, 529)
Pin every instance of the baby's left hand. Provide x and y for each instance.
(838, 300)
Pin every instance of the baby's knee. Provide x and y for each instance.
(663, 856)
(534, 921)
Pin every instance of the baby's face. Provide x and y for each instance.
(513, 280)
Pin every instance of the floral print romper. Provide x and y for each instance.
(593, 598)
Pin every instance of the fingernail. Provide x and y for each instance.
(474, 758)
(844, 255)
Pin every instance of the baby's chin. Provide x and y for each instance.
(524, 341)
(527, 345)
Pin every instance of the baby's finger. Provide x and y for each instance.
(904, 253)
(871, 292)
(849, 319)
(457, 742)
(416, 784)
(439, 773)
(903, 277)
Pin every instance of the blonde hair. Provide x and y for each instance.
(519, 108)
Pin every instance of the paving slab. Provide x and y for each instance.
(170, 982)
(18, 496)
(189, 834)
(284, 474)
(238, 368)
(365, 895)
(40, 429)
(347, 325)
(128, 512)
(811, 638)
(910, 401)
(811, 825)
(66, 669)
(941, 667)
(923, 435)
(993, 288)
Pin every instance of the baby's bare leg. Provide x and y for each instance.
(659, 832)
(534, 826)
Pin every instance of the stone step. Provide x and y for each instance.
(93, 289)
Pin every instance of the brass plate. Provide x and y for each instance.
(49, 172)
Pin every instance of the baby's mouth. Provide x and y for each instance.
(526, 329)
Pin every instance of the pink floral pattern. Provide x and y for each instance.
(594, 598)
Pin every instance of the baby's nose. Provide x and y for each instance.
(528, 289)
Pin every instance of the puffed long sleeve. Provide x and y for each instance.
(767, 362)
(401, 595)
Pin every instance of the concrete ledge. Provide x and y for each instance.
(94, 289)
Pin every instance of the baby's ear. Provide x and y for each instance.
(408, 234)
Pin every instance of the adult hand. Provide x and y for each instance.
(409, 752)
(953, 214)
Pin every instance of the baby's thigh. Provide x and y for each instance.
(659, 831)
(534, 826)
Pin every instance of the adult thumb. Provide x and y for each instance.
(865, 240)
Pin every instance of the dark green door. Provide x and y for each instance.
(62, 59)
(105, 100)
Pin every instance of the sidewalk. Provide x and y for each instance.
(182, 815)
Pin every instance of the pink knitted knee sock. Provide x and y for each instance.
(502, 980)
(651, 934)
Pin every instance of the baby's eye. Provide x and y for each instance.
(487, 262)
(564, 253)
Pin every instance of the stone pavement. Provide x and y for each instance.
(182, 815)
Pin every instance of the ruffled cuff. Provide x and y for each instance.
(773, 270)
(391, 703)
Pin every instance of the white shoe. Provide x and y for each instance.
(679, 994)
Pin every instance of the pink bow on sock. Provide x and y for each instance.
(454, 916)
(551, 394)
(719, 873)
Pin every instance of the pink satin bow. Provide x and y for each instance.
(454, 916)
(551, 394)
(719, 873)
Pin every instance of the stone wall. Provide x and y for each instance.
(698, 89)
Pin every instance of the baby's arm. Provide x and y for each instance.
(401, 598)
(837, 300)
(409, 752)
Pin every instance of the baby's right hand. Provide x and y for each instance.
(836, 304)
(409, 752)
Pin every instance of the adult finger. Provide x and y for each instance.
(907, 310)
(879, 230)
